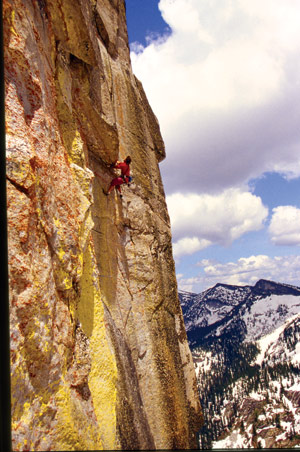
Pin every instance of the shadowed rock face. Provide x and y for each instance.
(99, 354)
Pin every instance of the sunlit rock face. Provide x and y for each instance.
(99, 355)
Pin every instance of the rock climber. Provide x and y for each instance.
(124, 178)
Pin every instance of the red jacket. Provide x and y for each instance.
(125, 169)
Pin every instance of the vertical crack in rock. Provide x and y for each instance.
(99, 354)
(133, 427)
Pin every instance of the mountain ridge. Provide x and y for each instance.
(244, 342)
(215, 306)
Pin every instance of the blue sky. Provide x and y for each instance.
(223, 78)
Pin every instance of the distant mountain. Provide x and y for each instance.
(252, 310)
(246, 350)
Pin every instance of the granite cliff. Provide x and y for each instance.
(99, 354)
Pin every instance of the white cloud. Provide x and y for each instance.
(284, 227)
(200, 220)
(245, 271)
(224, 86)
(189, 245)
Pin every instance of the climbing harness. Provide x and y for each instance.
(128, 182)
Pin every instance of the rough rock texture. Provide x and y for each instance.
(99, 353)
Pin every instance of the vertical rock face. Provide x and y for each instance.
(99, 355)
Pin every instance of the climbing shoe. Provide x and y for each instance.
(106, 194)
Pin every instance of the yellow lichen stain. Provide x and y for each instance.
(26, 408)
(74, 430)
(63, 276)
(83, 178)
(40, 216)
(17, 382)
(46, 347)
(65, 84)
(33, 350)
(76, 153)
(56, 222)
(25, 419)
(12, 27)
(84, 235)
(86, 305)
(80, 266)
(103, 375)
(21, 172)
(67, 282)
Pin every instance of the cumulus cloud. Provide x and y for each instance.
(284, 227)
(245, 271)
(201, 220)
(224, 86)
(189, 245)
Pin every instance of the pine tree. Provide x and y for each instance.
(242, 426)
(281, 391)
(277, 420)
(267, 397)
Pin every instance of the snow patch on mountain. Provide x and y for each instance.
(234, 440)
(203, 363)
(268, 314)
(265, 342)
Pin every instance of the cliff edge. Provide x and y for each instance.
(99, 354)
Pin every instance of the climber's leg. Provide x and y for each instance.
(119, 190)
(114, 183)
